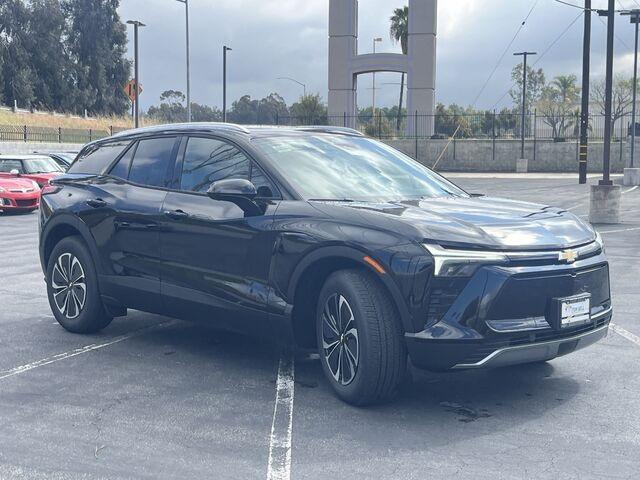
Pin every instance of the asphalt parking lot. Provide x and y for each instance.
(155, 398)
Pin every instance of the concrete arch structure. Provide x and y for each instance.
(345, 64)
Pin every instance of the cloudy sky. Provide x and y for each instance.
(274, 38)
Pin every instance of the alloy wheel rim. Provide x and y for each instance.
(340, 343)
(69, 285)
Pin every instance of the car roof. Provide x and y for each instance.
(23, 157)
(241, 130)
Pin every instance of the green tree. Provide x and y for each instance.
(271, 109)
(558, 102)
(15, 62)
(310, 110)
(171, 108)
(399, 32)
(244, 111)
(535, 83)
(97, 42)
(622, 98)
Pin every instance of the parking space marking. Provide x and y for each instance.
(632, 337)
(632, 229)
(281, 427)
(79, 351)
(631, 189)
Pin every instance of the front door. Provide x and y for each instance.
(215, 259)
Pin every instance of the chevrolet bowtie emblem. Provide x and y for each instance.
(568, 256)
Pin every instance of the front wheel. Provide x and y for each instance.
(72, 288)
(360, 342)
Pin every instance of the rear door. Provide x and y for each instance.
(216, 260)
(124, 218)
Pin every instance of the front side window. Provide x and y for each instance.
(207, 160)
(151, 162)
(341, 167)
(95, 159)
(8, 165)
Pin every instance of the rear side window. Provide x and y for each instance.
(151, 162)
(8, 165)
(121, 169)
(207, 160)
(97, 158)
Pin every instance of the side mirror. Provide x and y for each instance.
(15, 172)
(239, 191)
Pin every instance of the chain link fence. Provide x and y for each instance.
(26, 133)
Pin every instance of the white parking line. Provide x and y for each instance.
(631, 189)
(79, 351)
(281, 427)
(621, 230)
(625, 333)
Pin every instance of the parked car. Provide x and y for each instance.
(323, 239)
(38, 168)
(18, 194)
(63, 159)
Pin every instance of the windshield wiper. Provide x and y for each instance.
(346, 200)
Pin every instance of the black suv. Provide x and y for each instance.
(324, 239)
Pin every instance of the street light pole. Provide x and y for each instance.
(304, 86)
(635, 20)
(225, 49)
(136, 115)
(584, 111)
(186, 11)
(373, 103)
(606, 161)
(524, 95)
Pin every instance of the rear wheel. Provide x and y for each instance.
(72, 288)
(359, 338)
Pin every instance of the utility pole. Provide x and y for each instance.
(635, 20)
(584, 111)
(373, 103)
(524, 96)
(136, 24)
(604, 205)
(225, 49)
(186, 8)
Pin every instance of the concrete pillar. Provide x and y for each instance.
(421, 75)
(343, 48)
(604, 205)
(522, 165)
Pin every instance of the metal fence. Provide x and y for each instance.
(26, 133)
(469, 126)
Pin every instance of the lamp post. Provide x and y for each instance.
(524, 97)
(225, 49)
(304, 86)
(186, 11)
(373, 103)
(634, 16)
(136, 24)
(584, 110)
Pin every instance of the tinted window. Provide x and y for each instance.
(97, 158)
(8, 165)
(121, 169)
(263, 185)
(207, 160)
(151, 162)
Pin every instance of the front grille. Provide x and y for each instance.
(27, 203)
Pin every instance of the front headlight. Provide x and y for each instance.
(461, 263)
(2, 189)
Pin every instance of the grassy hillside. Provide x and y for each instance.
(49, 120)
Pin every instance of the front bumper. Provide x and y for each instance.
(19, 202)
(502, 316)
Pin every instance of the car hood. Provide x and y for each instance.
(477, 221)
(14, 183)
(42, 178)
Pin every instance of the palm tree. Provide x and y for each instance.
(399, 32)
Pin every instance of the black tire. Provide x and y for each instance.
(81, 314)
(381, 358)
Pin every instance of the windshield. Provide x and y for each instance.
(340, 167)
(41, 165)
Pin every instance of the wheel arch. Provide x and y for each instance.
(311, 273)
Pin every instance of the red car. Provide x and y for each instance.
(39, 168)
(18, 194)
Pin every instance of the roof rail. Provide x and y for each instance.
(330, 129)
(185, 126)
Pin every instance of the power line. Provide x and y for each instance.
(541, 56)
(504, 53)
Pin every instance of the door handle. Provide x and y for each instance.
(96, 203)
(176, 214)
